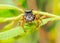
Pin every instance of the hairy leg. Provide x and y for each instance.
(22, 23)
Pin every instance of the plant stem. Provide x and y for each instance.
(21, 10)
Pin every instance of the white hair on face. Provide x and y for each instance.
(29, 18)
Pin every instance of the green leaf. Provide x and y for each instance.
(9, 11)
(19, 31)
(11, 33)
(5, 13)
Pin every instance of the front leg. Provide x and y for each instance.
(22, 23)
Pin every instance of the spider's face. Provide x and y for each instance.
(29, 16)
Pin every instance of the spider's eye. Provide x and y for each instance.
(28, 11)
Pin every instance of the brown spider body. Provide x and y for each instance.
(29, 17)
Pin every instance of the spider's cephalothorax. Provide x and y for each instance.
(29, 15)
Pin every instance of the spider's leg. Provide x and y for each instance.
(22, 23)
(37, 21)
(43, 17)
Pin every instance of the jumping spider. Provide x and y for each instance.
(29, 17)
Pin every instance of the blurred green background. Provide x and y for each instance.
(49, 33)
